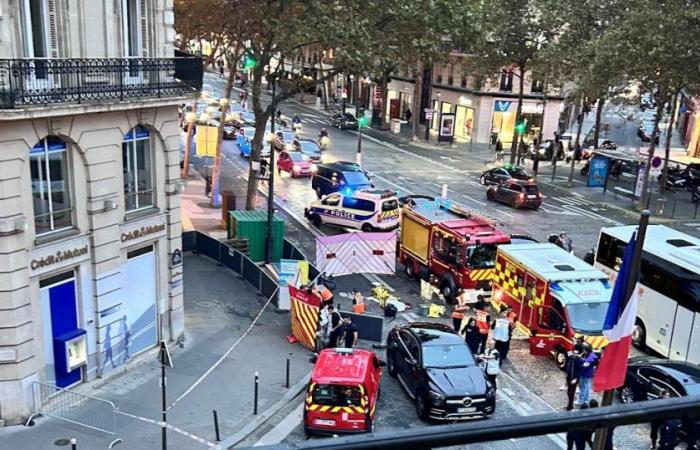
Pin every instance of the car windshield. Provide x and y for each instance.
(336, 395)
(356, 178)
(298, 156)
(446, 356)
(481, 256)
(310, 147)
(390, 205)
(587, 317)
(519, 174)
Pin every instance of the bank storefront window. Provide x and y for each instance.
(48, 163)
(138, 170)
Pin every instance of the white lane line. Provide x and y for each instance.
(482, 203)
(593, 215)
(282, 429)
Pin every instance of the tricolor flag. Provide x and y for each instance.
(618, 326)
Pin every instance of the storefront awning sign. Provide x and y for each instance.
(501, 106)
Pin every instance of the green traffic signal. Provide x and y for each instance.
(362, 121)
(249, 62)
(520, 128)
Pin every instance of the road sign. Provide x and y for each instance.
(428, 113)
(164, 355)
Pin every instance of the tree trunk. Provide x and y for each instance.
(582, 114)
(261, 116)
(669, 135)
(417, 95)
(385, 100)
(598, 117)
(219, 140)
(518, 113)
(645, 196)
(185, 173)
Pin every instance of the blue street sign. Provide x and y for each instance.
(501, 106)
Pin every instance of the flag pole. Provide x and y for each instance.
(601, 434)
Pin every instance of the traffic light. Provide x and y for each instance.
(520, 127)
(362, 121)
(249, 62)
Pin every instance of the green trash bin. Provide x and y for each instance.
(252, 225)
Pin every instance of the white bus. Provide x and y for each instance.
(668, 316)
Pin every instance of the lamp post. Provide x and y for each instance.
(269, 239)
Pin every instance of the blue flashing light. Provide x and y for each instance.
(556, 287)
(606, 284)
(347, 191)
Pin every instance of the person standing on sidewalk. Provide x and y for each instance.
(499, 150)
(588, 365)
(458, 310)
(491, 361)
(407, 115)
(573, 375)
(502, 331)
(482, 321)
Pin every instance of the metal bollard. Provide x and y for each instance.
(255, 394)
(216, 426)
(286, 380)
(73, 444)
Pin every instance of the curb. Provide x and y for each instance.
(257, 422)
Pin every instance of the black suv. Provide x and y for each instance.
(497, 175)
(338, 176)
(439, 372)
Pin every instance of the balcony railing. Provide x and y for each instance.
(44, 81)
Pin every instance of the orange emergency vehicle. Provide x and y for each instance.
(450, 245)
(554, 295)
(342, 393)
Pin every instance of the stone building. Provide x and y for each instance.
(90, 234)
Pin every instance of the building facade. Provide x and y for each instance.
(484, 112)
(90, 234)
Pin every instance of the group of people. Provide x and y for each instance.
(333, 330)
(580, 368)
(487, 338)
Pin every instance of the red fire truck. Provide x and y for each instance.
(556, 297)
(450, 245)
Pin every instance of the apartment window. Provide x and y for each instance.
(537, 86)
(135, 27)
(49, 167)
(506, 84)
(138, 170)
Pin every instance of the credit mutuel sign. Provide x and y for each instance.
(63, 254)
(142, 231)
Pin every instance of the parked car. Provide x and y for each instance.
(296, 164)
(344, 121)
(518, 194)
(497, 175)
(439, 372)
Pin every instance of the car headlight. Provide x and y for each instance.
(436, 398)
(296, 168)
(491, 393)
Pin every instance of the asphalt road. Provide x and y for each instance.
(528, 385)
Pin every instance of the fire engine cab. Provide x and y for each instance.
(556, 296)
(450, 245)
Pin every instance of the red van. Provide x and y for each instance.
(342, 393)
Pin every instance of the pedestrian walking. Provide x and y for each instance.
(491, 362)
(573, 375)
(588, 365)
(458, 310)
(472, 336)
(499, 150)
(408, 114)
(502, 332)
(352, 334)
(482, 321)
(656, 423)
(220, 63)
(576, 438)
(336, 327)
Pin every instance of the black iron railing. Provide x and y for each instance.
(43, 81)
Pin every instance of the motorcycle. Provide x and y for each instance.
(324, 142)
(296, 128)
(616, 169)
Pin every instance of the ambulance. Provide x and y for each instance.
(342, 393)
(554, 295)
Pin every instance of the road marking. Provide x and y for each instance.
(282, 429)
(170, 427)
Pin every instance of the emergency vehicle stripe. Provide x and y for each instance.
(481, 274)
(336, 409)
(304, 318)
(508, 282)
(597, 342)
(359, 409)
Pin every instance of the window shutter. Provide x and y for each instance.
(144, 28)
(52, 32)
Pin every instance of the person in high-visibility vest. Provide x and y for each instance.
(483, 321)
(458, 311)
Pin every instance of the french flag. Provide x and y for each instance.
(618, 326)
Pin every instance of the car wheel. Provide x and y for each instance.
(627, 395)
(367, 227)
(316, 220)
(448, 291)
(560, 358)
(639, 335)
(318, 192)
(490, 195)
(391, 364)
(421, 407)
(408, 268)
(514, 204)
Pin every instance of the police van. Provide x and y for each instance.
(366, 210)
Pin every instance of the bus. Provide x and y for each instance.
(668, 314)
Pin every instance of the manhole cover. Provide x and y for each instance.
(206, 304)
(61, 442)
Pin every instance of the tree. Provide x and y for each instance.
(515, 35)
(654, 44)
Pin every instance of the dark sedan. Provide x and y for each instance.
(517, 194)
(497, 175)
(343, 121)
(311, 149)
(439, 372)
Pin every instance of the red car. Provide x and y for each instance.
(343, 391)
(295, 164)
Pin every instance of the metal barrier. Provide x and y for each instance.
(79, 409)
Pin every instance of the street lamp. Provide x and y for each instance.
(269, 239)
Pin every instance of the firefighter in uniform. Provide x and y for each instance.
(458, 310)
(483, 321)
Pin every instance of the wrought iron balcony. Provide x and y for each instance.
(44, 81)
